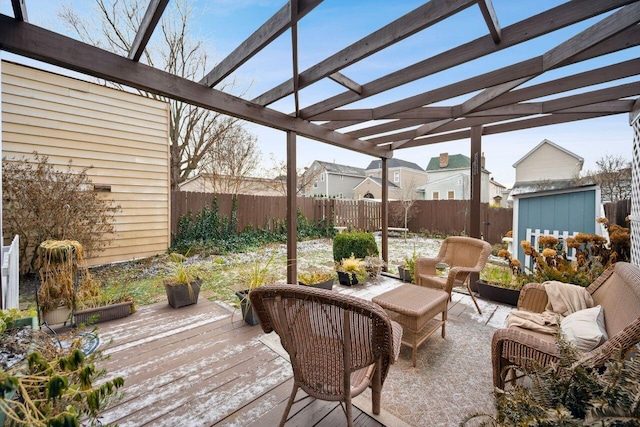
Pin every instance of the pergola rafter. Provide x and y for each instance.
(496, 101)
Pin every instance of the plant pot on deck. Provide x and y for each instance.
(103, 314)
(180, 295)
(347, 279)
(248, 313)
(57, 315)
(404, 274)
(498, 293)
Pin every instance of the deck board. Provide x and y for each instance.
(194, 366)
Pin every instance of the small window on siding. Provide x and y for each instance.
(396, 177)
(341, 177)
(451, 195)
(340, 195)
(315, 184)
(436, 195)
(322, 177)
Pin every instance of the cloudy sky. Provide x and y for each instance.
(335, 24)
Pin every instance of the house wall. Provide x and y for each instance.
(376, 190)
(547, 163)
(573, 211)
(342, 184)
(459, 182)
(124, 137)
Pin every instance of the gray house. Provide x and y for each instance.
(332, 180)
(450, 179)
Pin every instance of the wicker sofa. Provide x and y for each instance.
(617, 290)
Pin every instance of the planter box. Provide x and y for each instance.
(497, 293)
(327, 284)
(347, 279)
(248, 313)
(103, 314)
(179, 295)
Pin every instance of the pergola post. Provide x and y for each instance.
(292, 217)
(476, 181)
(634, 217)
(385, 213)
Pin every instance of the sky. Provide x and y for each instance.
(335, 24)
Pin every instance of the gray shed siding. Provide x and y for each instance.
(572, 212)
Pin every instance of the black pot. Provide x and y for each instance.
(248, 313)
(347, 279)
(405, 274)
(498, 293)
(327, 284)
(179, 295)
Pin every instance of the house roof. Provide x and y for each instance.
(393, 163)
(437, 181)
(456, 161)
(341, 169)
(530, 187)
(546, 141)
(378, 181)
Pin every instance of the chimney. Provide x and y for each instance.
(444, 160)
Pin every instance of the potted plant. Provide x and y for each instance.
(317, 279)
(256, 274)
(498, 283)
(407, 268)
(348, 270)
(60, 263)
(183, 285)
(95, 303)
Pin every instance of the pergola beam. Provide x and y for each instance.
(43, 45)
(20, 10)
(424, 16)
(268, 32)
(147, 26)
(345, 81)
(553, 19)
(490, 17)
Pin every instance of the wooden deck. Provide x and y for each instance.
(195, 367)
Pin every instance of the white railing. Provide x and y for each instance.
(534, 235)
(11, 275)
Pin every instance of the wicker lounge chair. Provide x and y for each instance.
(617, 290)
(338, 345)
(464, 255)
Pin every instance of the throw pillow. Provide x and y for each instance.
(585, 328)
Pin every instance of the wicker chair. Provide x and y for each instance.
(464, 255)
(617, 290)
(338, 345)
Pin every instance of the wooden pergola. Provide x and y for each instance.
(494, 101)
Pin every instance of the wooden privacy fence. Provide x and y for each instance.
(617, 212)
(443, 216)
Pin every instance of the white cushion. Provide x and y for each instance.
(585, 328)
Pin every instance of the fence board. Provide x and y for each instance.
(617, 212)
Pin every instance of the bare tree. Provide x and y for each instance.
(193, 130)
(407, 199)
(614, 177)
(304, 180)
(230, 160)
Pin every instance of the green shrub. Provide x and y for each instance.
(359, 245)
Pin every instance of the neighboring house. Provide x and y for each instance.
(405, 176)
(232, 185)
(498, 194)
(371, 188)
(123, 137)
(548, 197)
(333, 180)
(548, 161)
(450, 179)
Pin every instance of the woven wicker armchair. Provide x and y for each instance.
(464, 255)
(338, 345)
(617, 290)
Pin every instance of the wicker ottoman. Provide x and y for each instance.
(415, 307)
